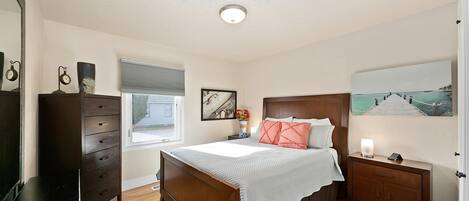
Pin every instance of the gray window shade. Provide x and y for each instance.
(149, 79)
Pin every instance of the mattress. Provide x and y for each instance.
(265, 172)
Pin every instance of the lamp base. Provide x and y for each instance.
(367, 156)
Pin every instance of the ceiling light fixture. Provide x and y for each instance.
(233, 13)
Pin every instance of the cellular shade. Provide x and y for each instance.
(151, 79)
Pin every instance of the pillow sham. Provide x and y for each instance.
(256, 134)
(314, 122)
(294, 135)
(287, 119)
(321, 136)
(270, 132)
(325, 138)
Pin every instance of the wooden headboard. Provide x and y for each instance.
(332, 106)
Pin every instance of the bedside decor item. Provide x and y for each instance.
(415, 90)
(63, 78)
(395, 157)
(12, 74)
(237, 136)
(86, 77)
(218, 104)
(243, 118)
(367, 148)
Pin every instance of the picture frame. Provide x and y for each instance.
(423, 89)
(218, 104)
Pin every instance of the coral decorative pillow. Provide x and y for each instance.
(294, 135)
(270, 131)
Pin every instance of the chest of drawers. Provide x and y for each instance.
(379, 179)
(82, 132)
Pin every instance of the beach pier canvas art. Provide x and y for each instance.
(416, 90)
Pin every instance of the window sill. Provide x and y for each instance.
(135, 147)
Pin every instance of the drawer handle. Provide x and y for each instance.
(385, 176)
(103, 123)
(104, 158)
(102, 176)
(103, 192)
(103, 140)
(101, 107)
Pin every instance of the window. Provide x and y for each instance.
(152, 119)
(168, 110)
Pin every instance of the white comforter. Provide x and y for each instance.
(265, 172)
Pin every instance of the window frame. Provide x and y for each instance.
(127, 126)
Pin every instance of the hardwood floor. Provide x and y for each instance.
(144, 193)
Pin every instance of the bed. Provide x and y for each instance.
(194, 173)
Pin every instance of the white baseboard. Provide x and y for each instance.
(137, 182)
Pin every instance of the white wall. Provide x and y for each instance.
(65, 45)
(33, 64)
(327, 67)
(10, 43)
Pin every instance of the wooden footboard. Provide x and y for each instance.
(182, 182)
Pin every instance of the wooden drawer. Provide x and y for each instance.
(398, 193)
(398, 177)
(101, 177)
(101, 106)
(102, 193)
(101, 124)
(98, 142)
(366, 189)
(104, 159)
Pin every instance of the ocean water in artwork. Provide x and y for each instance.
(419, 103)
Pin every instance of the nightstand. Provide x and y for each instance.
(380, 179)
(236, 137)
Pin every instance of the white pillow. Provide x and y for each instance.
(256, 134)
(288, 119)
(314, 122)
(320, 136)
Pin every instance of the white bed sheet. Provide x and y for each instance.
(265, 172)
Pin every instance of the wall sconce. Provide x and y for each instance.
(367, 148)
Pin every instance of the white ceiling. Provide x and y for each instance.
(194, 26)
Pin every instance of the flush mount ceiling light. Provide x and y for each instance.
(233, 13)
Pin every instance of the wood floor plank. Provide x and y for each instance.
(144, 193)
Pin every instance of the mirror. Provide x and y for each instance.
(11, 72)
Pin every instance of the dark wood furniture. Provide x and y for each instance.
(82, 132)
(236, 137)
(9, 144)
(380, 179)
(55, 188)
(183, 182)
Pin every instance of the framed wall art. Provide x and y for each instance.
(218, 104)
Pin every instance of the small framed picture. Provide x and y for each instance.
(218, 104)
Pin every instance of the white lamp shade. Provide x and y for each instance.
(367, 146)
(233, 14)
